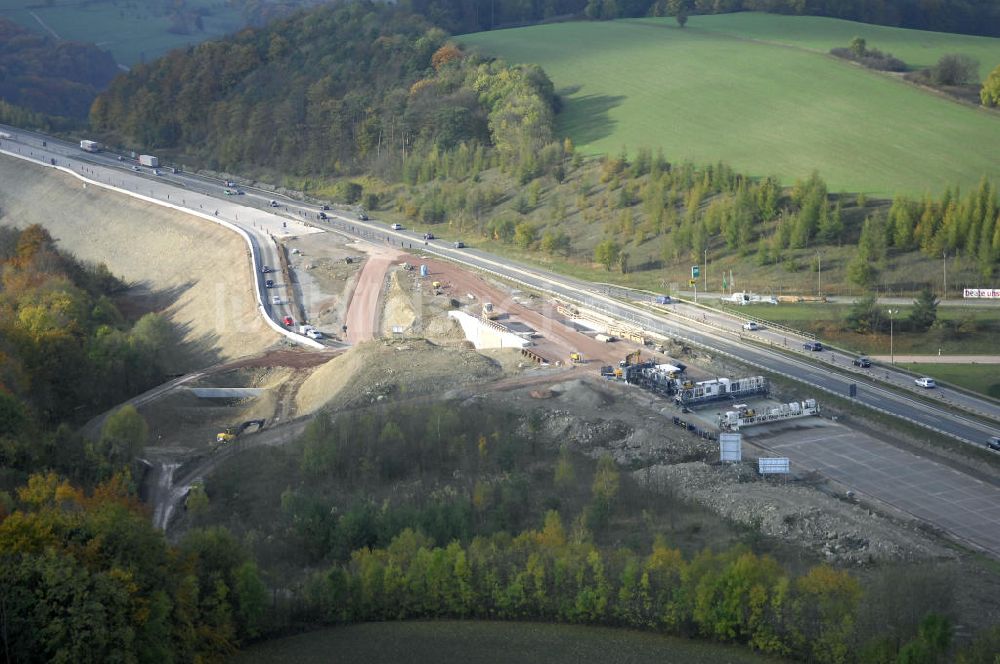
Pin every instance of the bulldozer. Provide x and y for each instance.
(576, 358)
(229, 434)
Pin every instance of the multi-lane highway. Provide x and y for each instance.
(252, 213)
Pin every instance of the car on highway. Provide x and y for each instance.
(275, 299)
(230, 192)
(751, 326)
(121, 158)
(314, 334)
(362, 216)
(135, 168)
(157, 172)
(326, 207)
(230, 183)
(269, 283)
(428, 236)
(396, 227)
(240, 192)
(812, 345)
(265, 269)
(925, 382)
(460, 245)
(287, 320)
(175, 170)
(322, 215)
(273, 203)
(862, 362)
(994, 443)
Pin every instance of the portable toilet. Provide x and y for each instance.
(423, 270)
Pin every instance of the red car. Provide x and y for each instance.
(287, 320)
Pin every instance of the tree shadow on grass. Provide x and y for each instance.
(587, 118)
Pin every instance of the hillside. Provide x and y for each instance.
(917, 48)
(133, 32)
(46, 75)
(763, 108)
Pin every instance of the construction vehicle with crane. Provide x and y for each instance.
(230, 434)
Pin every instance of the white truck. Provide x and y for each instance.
(149, 161)
(91, 146)
(310, 331)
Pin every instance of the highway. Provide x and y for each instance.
(252, 213)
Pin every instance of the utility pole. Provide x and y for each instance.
(706, 270)
(892, 352)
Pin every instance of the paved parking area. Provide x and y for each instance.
(942, 496)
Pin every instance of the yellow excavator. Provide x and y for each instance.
(576, 358)
(229, 434)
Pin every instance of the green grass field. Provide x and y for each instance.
(982, 378)
(130, 31)
(917, 48)
(764, 108)
(484, 642)
(826, 321)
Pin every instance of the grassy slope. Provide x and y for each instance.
(826, 320)
(130, 33)
(917, 48)
(455, 641)
(764, 108)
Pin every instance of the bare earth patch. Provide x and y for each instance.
(195, 272)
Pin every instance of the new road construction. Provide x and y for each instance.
(574, 324)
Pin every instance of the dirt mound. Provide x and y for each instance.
(194, 271)
(582, 394)
(376, 370)
(398, 311)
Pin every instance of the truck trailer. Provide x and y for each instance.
(149, 161)
(91, 146)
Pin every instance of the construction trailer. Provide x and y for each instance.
(744, 416)
(718, 389)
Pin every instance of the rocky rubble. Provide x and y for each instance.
(845, 533)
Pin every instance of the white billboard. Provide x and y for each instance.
(730, 447)
(988, 293)
(773, 466)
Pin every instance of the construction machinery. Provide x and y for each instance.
(232, 433)
(576, 358)
(690, 394)
(744, 416)
(489, 311)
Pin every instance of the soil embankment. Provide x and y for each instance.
(193, 271)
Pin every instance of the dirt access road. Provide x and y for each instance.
(363, 310)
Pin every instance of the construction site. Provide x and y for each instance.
(403, 327)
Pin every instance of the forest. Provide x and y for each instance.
(43, 75)
(358, 88)
(84, 576)
(416, 511)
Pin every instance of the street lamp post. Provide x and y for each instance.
(892, 353)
